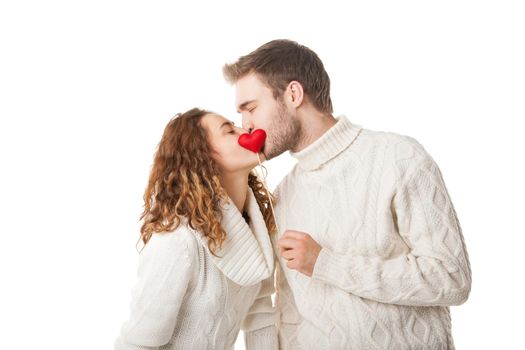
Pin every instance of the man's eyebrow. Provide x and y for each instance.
(243, 105)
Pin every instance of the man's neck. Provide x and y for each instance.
(314, 125)
(236, 186)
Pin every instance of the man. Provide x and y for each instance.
(371, 253)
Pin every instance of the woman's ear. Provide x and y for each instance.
(295, 93)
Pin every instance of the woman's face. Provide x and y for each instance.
(223, 137)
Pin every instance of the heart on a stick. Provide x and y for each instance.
(253, 141)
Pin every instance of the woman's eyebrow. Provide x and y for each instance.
(227, 123)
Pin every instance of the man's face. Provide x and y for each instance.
(260, 110)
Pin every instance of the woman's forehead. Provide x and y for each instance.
(215, 121)
(218, 120)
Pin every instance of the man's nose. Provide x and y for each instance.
(247, 125)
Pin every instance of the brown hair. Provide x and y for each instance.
(279, 62)
(184, 182)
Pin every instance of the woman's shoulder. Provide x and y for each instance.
(179, 240)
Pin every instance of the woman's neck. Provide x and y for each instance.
(236, 186)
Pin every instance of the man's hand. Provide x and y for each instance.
(301, 251)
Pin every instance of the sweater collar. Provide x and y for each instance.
(246, 256)
(329, 145)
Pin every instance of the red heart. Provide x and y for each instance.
(253, 141)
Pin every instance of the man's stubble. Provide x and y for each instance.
(285, 133)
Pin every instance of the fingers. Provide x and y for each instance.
(288, 254)
(293, 234)
(287, 243)
(290, 245)
(291, 264)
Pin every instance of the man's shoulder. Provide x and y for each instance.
(401, 154)
(399, 147)
(400, 151)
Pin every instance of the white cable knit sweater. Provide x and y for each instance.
(393, 256)
(186, 298)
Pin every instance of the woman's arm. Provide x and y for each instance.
(164, 271)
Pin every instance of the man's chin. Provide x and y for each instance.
(265, 155)
(263, 152)
(270, 153)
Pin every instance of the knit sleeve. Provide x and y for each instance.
(259, 325)
(435, 271)
(164, 271)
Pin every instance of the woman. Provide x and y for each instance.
(206, 268)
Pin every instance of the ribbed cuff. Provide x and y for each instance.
(332, 268)
(262, 339)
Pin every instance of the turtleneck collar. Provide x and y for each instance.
(246, 256)
(329, 145)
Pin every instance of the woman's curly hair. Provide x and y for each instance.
(184, 182)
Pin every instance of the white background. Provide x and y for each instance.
(86, 89)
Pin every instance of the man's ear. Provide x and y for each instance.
(295, 93)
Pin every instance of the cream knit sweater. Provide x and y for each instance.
(393, 256)
(186, 298)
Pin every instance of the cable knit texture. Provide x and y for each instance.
(393, 257)
(186, 298)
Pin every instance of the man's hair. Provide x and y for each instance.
(279, 62)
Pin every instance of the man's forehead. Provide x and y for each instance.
(244, 97)
(247, 88)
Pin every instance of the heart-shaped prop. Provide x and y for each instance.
(253, 141)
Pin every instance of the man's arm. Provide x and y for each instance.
(436, 271)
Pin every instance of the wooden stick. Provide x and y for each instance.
(278, 275)
(269, 194)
